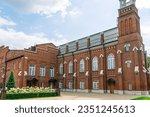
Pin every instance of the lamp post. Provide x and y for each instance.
(3, 93)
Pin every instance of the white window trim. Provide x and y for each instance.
(95, 64)
(82, 65)
(42, 71)
(52, 72)
(60, 85)
(32, 70)
(111, 62)
(61, 68)
(95, 85)
(70, 67)
(70, 85)
(82, 85)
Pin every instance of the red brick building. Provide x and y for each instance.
(37, 67)
(112, 61)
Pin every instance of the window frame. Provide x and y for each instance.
(42, 71)
(82, 66)
(70, 66)
(52, 72)
(70, 85)
(111, 62)
(82, 85)
(95, 83)
(95, 64)
(32, 69)
(61, 69)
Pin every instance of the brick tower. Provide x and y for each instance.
(131, 53)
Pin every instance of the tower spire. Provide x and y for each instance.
(124, 3)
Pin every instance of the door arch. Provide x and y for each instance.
(111, 83)
(53, 83)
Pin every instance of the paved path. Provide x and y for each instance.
(88, 96)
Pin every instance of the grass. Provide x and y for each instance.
(141, 98)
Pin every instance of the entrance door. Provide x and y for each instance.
(111, 84)
(112, 87)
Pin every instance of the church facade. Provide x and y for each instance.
(111, 61)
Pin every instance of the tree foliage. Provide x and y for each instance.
(11, 81)
(148, 61)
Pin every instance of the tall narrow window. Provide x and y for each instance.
(82, 65)
(70, 67)
(130, 25)
(32, 70)
(42, 71)
(95, 64)
(122, 28)
(82, 85)
(52, 72)
(61, 68)
(125, 28)
(60, 85)
(111, 61)
(95, 85)
(70, 85)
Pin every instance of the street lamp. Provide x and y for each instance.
(3, 93)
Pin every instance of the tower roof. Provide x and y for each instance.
(124, 3)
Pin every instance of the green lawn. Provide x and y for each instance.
(142, 98)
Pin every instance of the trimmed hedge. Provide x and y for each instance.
(30, 95)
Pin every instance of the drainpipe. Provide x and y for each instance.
(90, 72)
(64, 72)
(105, 68)
(73, 71)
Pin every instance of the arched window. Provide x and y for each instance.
(70, 67)
(82, 65)
(122, 28)
(52, 72)
(61, 68)
(130, 25)
(95, 64)
(111, 61)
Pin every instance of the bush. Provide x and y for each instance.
(30, 93)
(11, 81)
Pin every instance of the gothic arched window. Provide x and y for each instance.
(111, 61)
(95, 64)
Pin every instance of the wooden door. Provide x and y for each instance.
(112, 87)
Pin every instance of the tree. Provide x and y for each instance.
(148, 61)
(11, 81)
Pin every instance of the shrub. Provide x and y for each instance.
(17, 93)
(11, 81)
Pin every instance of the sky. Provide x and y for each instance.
(24, 23)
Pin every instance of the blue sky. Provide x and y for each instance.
(28, 22)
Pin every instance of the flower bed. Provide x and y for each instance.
(17, 93)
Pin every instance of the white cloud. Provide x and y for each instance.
(146, 35)
(74, 12)
(142, 4)
(59, 39)
(7, 22)
(146, 30)
(42, 7)
(20, 40)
